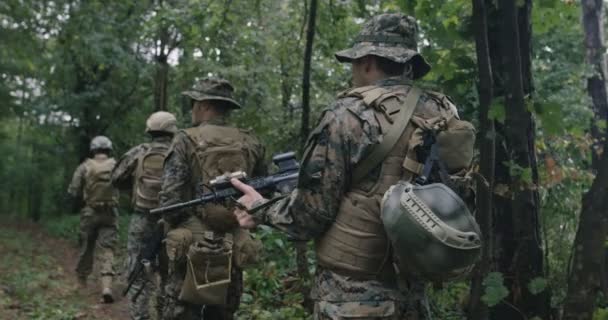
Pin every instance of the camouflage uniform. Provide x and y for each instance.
(344, 136)
(181, 181)
(98, 229)
(142, 227)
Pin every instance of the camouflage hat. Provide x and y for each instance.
(391, 36)
(212, 89)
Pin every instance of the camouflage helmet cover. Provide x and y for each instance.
(391, 36)
(433, 233)
(161, 121)
(100, 142)
(212, 89)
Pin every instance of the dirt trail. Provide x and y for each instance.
(18, 301)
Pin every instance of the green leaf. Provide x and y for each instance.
(601, 314)
(495, 290)
(551, 117)
(537, 285)
(497, 112)
(526, 175)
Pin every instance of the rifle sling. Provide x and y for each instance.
(379, 151)
(266, 204)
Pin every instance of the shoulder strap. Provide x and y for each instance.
(379, 151)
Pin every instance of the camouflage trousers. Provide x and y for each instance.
(363, 310)
(141, 228)
(173, 307)
(97, 238)
(338, 296)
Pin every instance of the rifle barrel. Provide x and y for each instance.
(262, 185)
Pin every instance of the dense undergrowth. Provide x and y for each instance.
(273, 289)
(33, 283)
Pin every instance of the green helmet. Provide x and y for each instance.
(101, 142)
(161, 121)
(433, 233)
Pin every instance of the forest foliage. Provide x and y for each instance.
(73, 69)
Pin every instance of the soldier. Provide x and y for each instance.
(98, 218)
(337, 201)
(141, 169)
(198, 155)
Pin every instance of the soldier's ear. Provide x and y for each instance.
(196, 106)
(367, 63)
(371, 64)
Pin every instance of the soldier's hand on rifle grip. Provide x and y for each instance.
(250, 196)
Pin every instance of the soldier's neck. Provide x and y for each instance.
(162, 138)
(100, 156)
(219, 120)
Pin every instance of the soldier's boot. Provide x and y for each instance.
(106, 289)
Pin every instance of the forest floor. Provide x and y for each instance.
(37, 280)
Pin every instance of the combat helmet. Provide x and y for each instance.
(434, 235)
(213, 89)
(100, 143)
(391, 36)
(161, 121)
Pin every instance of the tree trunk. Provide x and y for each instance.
(310, 36)
(34, 186)
(477, 310)
(301, 260)
(13, 200)
(516, 240)
(164, 45)
(589, 267)
(161, 79)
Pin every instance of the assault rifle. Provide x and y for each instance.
(220, 189)
(145, 260)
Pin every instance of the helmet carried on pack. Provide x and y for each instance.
(433, 233)
(101, 143)
(161, 121)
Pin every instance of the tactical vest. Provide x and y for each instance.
(218, 150)
(221, 149)
(98, 189)
(148, 176)
(357, 244)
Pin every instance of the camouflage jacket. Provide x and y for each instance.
(340, 141)
(124, 173)
(76, 187)
(178, 176)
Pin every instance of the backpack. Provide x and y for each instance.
(433, 232)
(98, 188)
(220, 150)
(439, 150)
(148, 176)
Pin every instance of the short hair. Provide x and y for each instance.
(220, 106)
(390, 67)
(105, 151)
(158, 134)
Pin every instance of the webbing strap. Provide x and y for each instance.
(379, 151)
